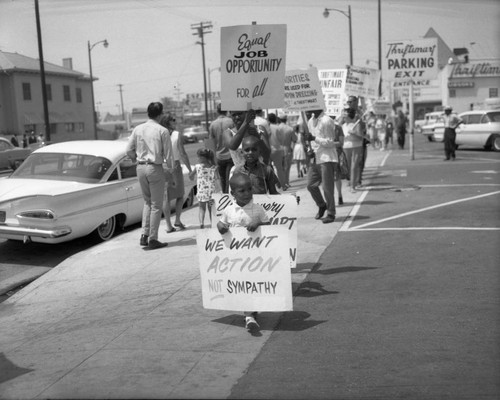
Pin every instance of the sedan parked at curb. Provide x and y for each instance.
(11, 157)
(480, 129)
(73, 189)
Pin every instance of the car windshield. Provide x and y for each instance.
(63, 167)
(493, 116)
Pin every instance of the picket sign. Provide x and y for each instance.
(245, 271)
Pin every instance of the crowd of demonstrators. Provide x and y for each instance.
(220, 131)
(289, 138)
(277, 152)
(175, 180)
(207, 183)
(300, 149)
(150, 146)
(322, 172)
(451, 122)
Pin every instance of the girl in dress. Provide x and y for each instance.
(299, 153)
(207, 181)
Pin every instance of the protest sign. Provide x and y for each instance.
(252, 66)
(303, 90)
(281, 210)
(363, 82)
(333, 85)
(411, 60)
(245, 271)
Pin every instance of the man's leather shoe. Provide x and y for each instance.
(144, 240)
(155, 244)
(329, 218)
(321, 212)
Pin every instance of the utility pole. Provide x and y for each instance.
(201, 29)
(42, 73)
(121, 98)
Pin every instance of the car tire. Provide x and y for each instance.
(106, 230)
(429, 138)
(495, 143)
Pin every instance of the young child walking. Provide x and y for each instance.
(245, 213)
(207, 183)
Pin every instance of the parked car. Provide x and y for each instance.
(481, 128)
(194, 134)
(433, 120)
(73, 189)
(11, 157)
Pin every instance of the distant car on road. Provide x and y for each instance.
(73, 189)
(11, 157)
(432, 121)
(194, 134)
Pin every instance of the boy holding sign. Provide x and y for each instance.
(245, 213)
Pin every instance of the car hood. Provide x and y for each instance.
(11, 189)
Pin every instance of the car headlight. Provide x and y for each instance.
(41, 214)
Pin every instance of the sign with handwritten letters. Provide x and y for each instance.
(333, 83)
(303, 90)
(253, 63)
(281, 210)
(410, 60)
(245, 271)
(363, 82)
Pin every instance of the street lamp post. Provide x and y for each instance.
(90, 47)
(326, 13)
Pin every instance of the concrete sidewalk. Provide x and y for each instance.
(116, 321)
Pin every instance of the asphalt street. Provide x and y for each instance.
(398, 298)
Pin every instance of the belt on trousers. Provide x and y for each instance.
(146, 163)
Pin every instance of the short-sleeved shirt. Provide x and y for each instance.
(261, 175)
(235, 216)
(151, 142)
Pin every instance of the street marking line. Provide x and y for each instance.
(438, 228)
(362, 226)
(461, 185)
(354, 211)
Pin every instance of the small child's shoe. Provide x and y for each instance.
(251, 324)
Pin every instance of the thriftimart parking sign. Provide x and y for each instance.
(407, 60)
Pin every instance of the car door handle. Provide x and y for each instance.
(128, 188)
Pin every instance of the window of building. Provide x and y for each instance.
(80, 126)
(48, 90)
(453, 93)
(66, 93)
(69, 126)
(26, 91)
(493, 92)
(78, 95)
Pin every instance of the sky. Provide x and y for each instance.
(153, 53)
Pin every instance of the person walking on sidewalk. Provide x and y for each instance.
(401, 122)
(353, 143)
(207, 183)
(322, 140)
(244, 213)
(277, 152)
(451, 122)
(175, 181)
(289, 138)
(150, 145)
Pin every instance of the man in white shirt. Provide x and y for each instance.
(451, 122)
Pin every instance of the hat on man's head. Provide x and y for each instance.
(281, 115)
(448, 108)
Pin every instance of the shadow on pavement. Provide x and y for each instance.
(311, 289)
(341, 270)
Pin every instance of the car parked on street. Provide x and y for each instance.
(73, 189)
(11, 157)
(481, 128)
(193, 134)
(433, 121)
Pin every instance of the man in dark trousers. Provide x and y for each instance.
(451, 122)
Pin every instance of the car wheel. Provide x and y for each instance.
(495, 143)
(106, 230)
(429, 138)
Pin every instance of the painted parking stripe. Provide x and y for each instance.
(363, 226)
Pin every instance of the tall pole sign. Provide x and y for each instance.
(407, 61)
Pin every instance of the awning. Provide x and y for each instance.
(33, 119)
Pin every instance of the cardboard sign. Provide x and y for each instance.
(245, 271)
(333, 85)
(252, 66)
(410, 60)
(303, 90)
(363, 82)
(281, 210)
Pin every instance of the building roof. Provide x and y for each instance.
(444, 52)
(21, 63)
